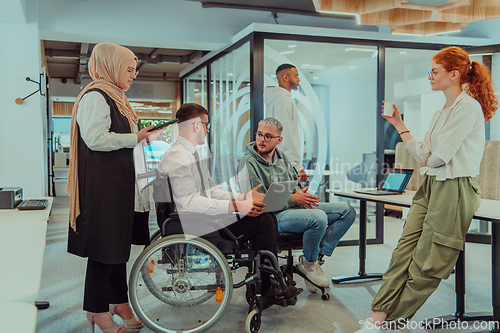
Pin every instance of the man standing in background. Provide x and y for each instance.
(280, 105)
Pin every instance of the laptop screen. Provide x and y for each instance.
(396, 180)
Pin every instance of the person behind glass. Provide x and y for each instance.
(322, 224)
(106, 213)
(281, 105)
(194, 191)
(443, 206)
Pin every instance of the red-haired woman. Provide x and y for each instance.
(442, 208)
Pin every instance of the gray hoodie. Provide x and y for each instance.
(281, 105)
(260, 171)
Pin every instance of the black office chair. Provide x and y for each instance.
(289, 241)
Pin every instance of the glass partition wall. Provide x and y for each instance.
(229, 113)
(346, 144)
(336, 100)
(195, 88)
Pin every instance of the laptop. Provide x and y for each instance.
(395, 182)
(277, 195)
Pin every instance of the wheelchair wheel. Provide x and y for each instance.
(180, 285)
(253, 322)
(156, 236)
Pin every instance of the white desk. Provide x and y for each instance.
(15, 214)
(22, 244)
(18, 317)
(488, 211)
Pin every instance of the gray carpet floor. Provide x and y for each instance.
(63, 279)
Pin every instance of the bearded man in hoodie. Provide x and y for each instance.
(281, 105)
(322, 224)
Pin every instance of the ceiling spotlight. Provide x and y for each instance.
(308, 66)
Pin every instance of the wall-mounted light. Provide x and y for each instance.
(20, 101)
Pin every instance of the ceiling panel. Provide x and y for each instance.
(63, 59)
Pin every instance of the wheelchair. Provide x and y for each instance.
(183, 283)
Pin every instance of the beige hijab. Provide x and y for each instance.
(108, 62)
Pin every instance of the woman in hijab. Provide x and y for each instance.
(106, 214)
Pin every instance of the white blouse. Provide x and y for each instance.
(456, 137)
(94, 121)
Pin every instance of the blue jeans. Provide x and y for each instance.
(322, 227)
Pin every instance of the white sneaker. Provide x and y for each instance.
(311, 287)
(313, 272)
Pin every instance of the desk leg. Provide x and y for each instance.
(495, 276)
(362, 275)
(460, 315)
(41, 305)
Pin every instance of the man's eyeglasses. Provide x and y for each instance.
(131, 71)
(204, 122)
(267, 137)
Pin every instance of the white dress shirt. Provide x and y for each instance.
(455, 137)
(281, 105)
(94, 121)
(179, 162)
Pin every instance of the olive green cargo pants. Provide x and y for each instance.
(433, 235)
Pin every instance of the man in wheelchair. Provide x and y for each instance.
(194, 192)
(322, 224)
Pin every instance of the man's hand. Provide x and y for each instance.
(253, 205)
(305, 199)
(302, 175)
(143, 134)
(257, 196)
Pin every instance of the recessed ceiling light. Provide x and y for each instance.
(315, 78)
(402, 52)
(292, 46)
(359, 49)
(308, 66)
(444, 32)
(404, 34)
(288, 52)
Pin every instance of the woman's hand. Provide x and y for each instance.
(143, 134)
(396, 119)
(301, 197)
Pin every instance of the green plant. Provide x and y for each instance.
(166, 134)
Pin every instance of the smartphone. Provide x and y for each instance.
(157, 127)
